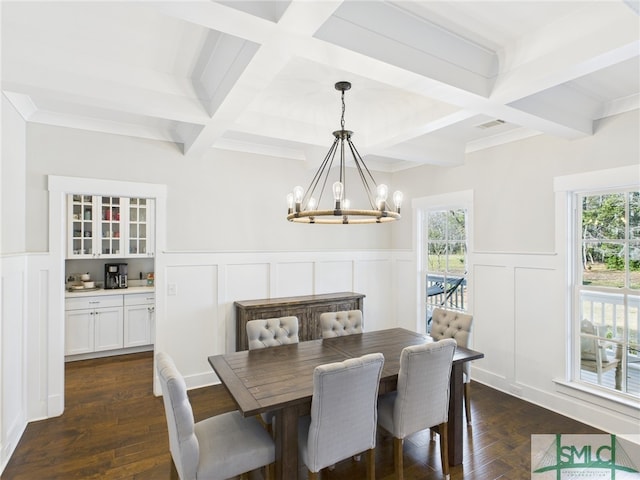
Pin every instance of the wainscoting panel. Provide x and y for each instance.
(293, 278)
(334, 276)
(13, 411)
(38, 319)
(406, 296)
(373, 278)
(190, 329)
(493, 321)
(247, 281)
(540, 327)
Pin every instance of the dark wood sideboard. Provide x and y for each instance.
(307, 308)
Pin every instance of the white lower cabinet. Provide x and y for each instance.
(93, 324)
(109, 322)
(139, 315)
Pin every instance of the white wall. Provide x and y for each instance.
(12, 180)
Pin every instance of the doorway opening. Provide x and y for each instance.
(63, 249)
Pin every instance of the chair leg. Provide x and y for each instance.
(397, 458)
(313, 475)
(270, 471)
(467, 401)
(371, 464)
(267, 426)
(444, 449)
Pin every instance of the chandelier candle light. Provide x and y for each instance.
(302, 205)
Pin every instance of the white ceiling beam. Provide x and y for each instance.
(37, 81)
(219, 17)
(567, 49)
(299, 21)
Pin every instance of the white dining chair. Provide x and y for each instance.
(456, 325)
(271, 332)
(343, 415)
(216, 448)
(337, 324)
(422, 398)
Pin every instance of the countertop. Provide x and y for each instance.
(103, 292)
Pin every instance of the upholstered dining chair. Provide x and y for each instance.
(422, 397)
(593, 354)
(218, 447)
(337, 324)
(343, 415)
(271, 332)
(456, 325)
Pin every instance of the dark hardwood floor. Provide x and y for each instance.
(114, 428)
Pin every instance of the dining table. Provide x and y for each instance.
(280, 380)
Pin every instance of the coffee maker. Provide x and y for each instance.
(115, 275)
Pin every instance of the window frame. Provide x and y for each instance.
(625, 293)
(421, 206)
(565, 187)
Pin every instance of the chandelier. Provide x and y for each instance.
(304, 207)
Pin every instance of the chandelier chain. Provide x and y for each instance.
(343, 108)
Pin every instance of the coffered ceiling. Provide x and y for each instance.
(432, 80)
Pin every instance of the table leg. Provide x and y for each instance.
(286, 438)
(454, 424)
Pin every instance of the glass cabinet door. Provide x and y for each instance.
(140, 234)
(81, 223)
(110, 226)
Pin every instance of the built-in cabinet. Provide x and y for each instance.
(109, 227)
(93, 324)
(139, 319)
(103, 323)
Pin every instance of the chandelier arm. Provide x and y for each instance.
(363, 178)
(328, 160)
(362, 162)
(326, 177)
(342, 171)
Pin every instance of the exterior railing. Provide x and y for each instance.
(449, 293)
(606, 311)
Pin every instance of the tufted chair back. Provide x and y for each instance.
(451, 324)
(271, 332)
(337, 324)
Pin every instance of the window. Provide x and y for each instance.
(607, 290)
(445, 259)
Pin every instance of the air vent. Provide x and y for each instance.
(491, 124)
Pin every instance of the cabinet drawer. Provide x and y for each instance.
(140, 299)
(93, 302)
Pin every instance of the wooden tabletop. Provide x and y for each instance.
(272, 378)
